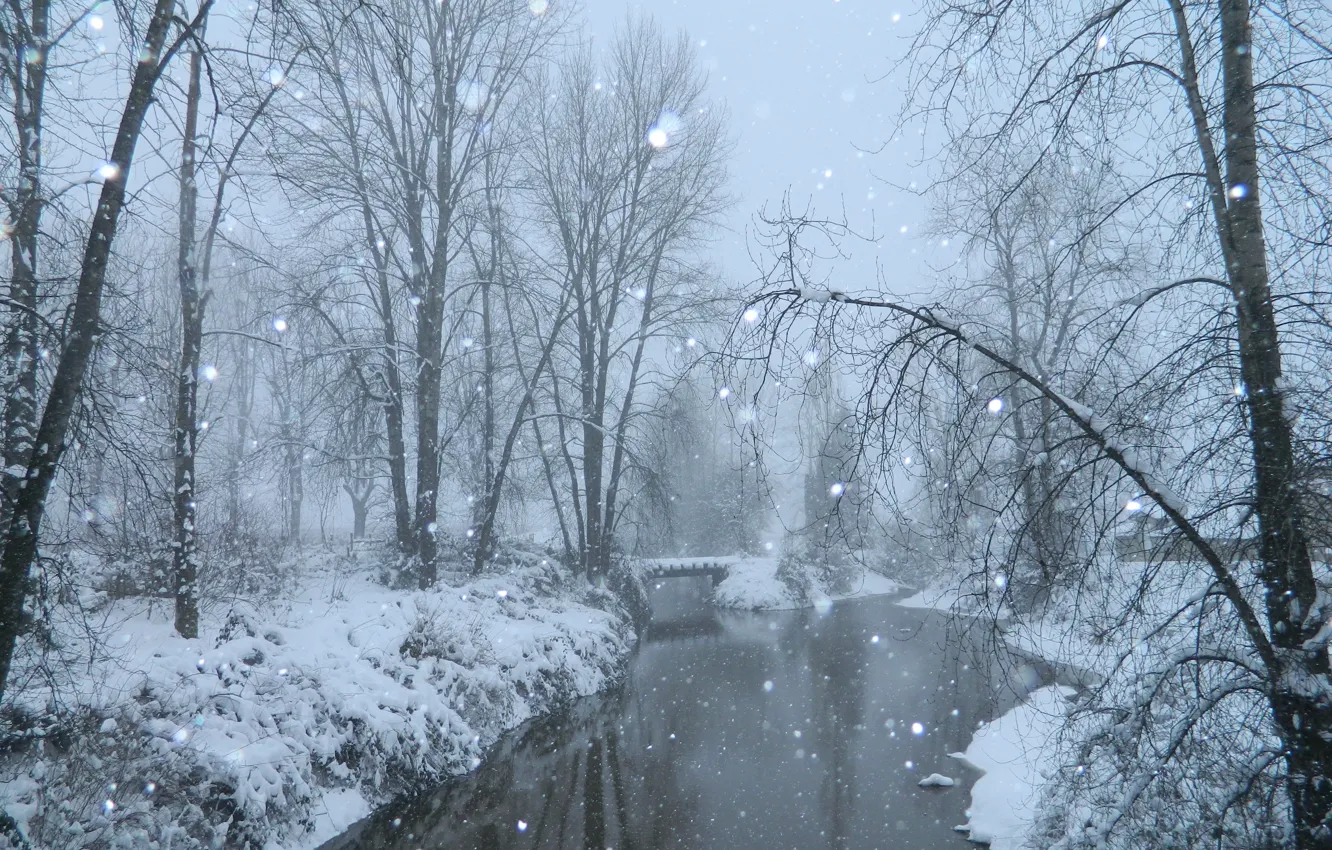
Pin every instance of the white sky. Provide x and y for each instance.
(808, 83)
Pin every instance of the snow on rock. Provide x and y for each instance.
(753, 584)
(1014, 752)
(936, 780)
(281, 726)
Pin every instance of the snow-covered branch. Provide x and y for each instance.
(1096, 430)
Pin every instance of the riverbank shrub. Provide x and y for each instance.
(345, 687)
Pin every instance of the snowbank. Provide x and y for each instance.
(934, 599)
(1013, 752)
(753, 584)
(281, 726)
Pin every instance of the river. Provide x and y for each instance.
(792, 729)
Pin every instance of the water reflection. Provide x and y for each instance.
(785, 730)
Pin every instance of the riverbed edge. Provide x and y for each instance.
(284, 724)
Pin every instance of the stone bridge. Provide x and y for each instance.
(714, 567)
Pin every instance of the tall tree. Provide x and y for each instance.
(185, 566)
(26, 47)
(1207, 158)
(430, 80)
(626, 182)
(22, 518)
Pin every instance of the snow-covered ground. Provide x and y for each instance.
(285, 722)
(1108, 635)
(1013, 752)
(934, 598)
(753, 584)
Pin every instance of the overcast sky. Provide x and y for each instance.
(812, 96)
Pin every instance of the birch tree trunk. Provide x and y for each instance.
(28, 44)
(184, 546)
(23, 516)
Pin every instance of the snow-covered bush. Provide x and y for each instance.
(793, 571)
(1171, 743)
(435, 633)
(234, 739)
(1222, 786)
(808, 568)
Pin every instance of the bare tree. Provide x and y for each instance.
(1186, 404)
(26, 46)
(414, 88)
(22, 518)
(185, 567)
(626, 181)
(500, 276)
(1037, 271)
(194, 270)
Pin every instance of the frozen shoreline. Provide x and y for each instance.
(1014, 753)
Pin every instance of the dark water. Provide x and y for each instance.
(735, 731)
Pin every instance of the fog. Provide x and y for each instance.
(511, 423)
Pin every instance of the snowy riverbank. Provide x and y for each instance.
(283, 724)
(1013, 752)
(1106, 636)
(1016, 752)
(753, 584)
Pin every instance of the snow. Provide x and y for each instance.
(934, 598)
(752, 584)
(315, 710)
(338, 810)
(936, 780)
(1014, 752)
(1080, 410)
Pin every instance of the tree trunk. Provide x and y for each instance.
(1286, 569)
(490, 486)
(359, 492)
(570, 551)
(243, 384)
(486, 529)
(429, 337)
(359, 511)
(430, 332)
(495, 472)
(295, 489)
(622, 424)
(578, 564)
(23, 343)
(397, 448)
(23, 516)
(185, 568)
(1300, 709)
(594, 451)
